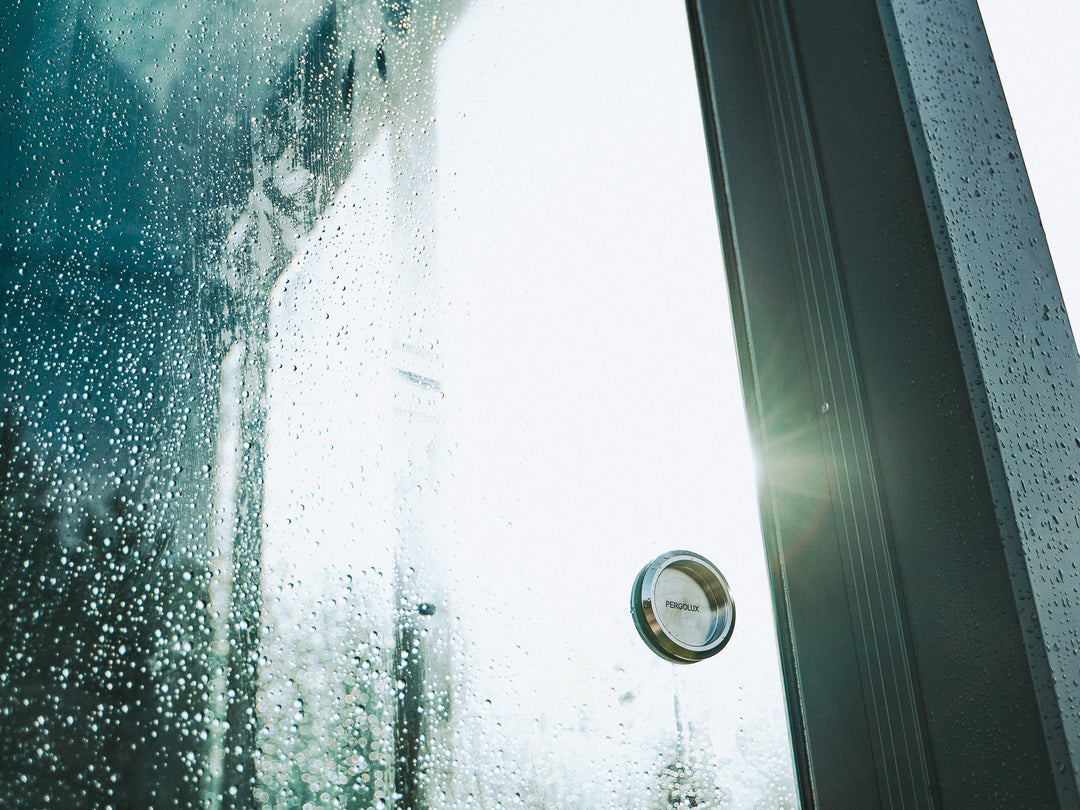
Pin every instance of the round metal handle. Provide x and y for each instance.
(682, 607)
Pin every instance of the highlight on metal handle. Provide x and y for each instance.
(682, 607)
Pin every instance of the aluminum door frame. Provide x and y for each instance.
(910, 378)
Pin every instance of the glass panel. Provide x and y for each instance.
(358, 355)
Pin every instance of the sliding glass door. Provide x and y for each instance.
(358, 356)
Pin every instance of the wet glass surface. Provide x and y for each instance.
(356, 358)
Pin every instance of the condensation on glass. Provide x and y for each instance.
(356, 355)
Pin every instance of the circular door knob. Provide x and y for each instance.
(682, 607)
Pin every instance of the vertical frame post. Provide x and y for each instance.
(911, 381)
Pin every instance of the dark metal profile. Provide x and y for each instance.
(911, 382)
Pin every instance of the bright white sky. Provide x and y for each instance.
(1034, 44)
(592, 414)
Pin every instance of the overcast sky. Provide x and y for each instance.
(1034, 46)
